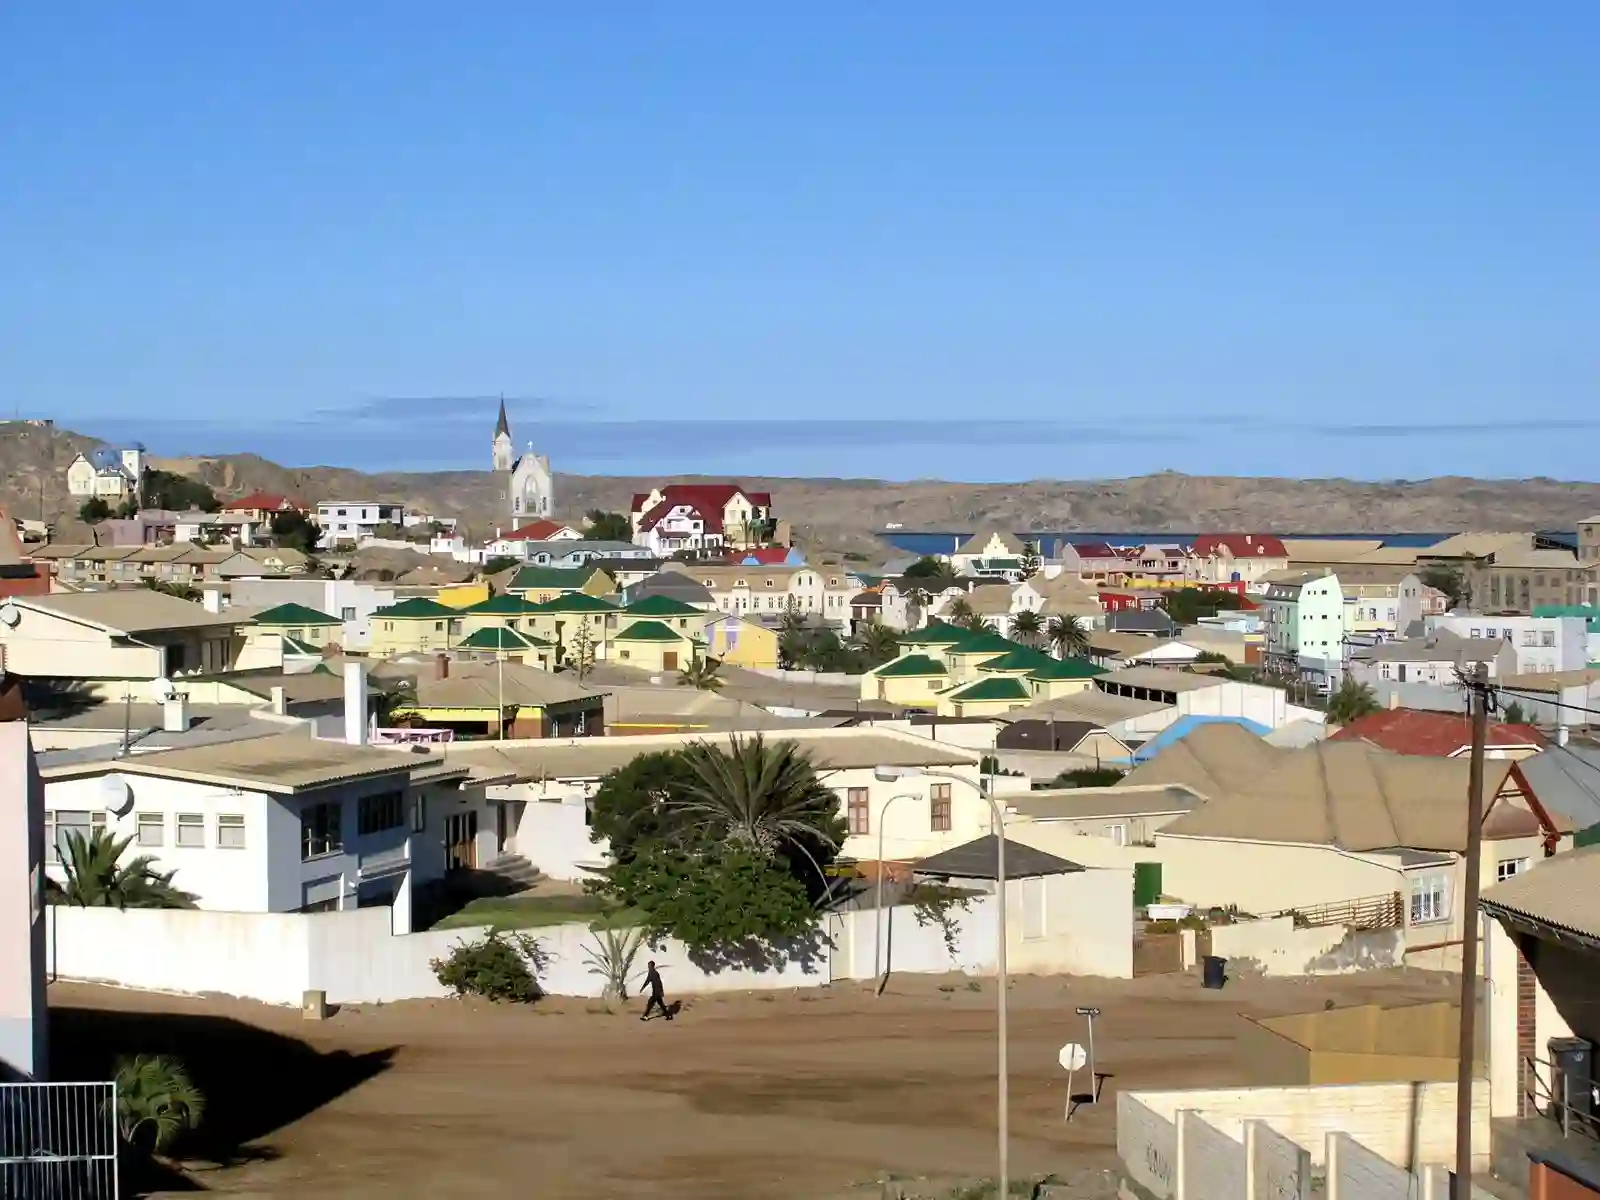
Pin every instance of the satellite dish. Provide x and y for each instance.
(10, 614)
(115, 794)
(1073, 1057)
(161, 687)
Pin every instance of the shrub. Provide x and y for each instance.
(497, 966)
(156, 1101)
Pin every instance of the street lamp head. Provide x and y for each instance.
(886, 774)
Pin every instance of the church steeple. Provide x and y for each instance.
(502, 451)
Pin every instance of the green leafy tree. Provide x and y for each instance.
(291, 528)
(1068, 635)
(1026, 626)
(164, 489)
(1350, 701)
(1448, 580)
(791, 620)
(580, 655)
(500, 562)
(96, 878)
(877, 643)
(94, 510)
(1513, 714)
(1188, 605)
(497, 966)
(641, 803)
(764, 796)
(157, 1102)
(605, 526)
(928, 567)
(1032, 562)
(700, 672)
(128, 508)
(959, 611)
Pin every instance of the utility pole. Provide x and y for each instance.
(1469, 936)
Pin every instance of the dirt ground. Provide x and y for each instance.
(807, 1094)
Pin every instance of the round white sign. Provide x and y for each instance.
(1072, 1057)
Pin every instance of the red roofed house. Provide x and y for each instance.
(1438, 734)
(514, 543)
(1239, 557)
(700, 516)
(261, 505)
(1096, 561)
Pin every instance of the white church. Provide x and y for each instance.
(532, 487)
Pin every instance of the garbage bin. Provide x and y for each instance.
(1213, 972)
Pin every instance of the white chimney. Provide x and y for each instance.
(280, 701)
(1562, 733)
(355, 703)
(175, 713)
(212, 599)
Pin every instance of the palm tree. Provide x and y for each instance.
(759, 796)
(1026, 626)
(878, 642)
(1068, 635)
(1351, 701)
(960, 610)
(701, 673)
(156, 1101)
(96, 880)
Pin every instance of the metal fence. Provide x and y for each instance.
(58, 1141)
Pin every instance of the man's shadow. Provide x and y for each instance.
(673, 1010)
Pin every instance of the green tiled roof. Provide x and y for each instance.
(647, 631)
(910, 665)
(418, 608)
(661, 606)
(294, 614)
(1065, 668)
(1002, 687)
(501, 606)
(985, 642)
(569, 578)
(998, 564)
(937, 633)
(1023, 658)
(495, 637)
(296, 646)
(574, 602)
(1589, 614)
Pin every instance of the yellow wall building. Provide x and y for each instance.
(741, 643)
(651, 646)
(413, 626)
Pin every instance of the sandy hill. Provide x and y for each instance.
(843, 513)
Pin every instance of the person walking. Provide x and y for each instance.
(652, 980)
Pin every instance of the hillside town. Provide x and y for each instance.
(1149, 755)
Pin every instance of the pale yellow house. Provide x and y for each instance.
(824, 590)
(988, 696)
(574, 623)
(676, 615)
(651, 646)
(499, 612)
(413, 626)
(288, 631)
(914, 680)
(496, 643)
(543, 584)
(741, 643)
(115, 644)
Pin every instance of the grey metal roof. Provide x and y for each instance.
(1151, 620)
(1566, 779)
(979, 859)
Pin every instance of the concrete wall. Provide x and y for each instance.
(1189, 1158)
(1275, 947)
(1264, 877)
(23, 1014)
(1212, 1163)
(1405, 1123)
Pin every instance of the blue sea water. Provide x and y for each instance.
(921, 542)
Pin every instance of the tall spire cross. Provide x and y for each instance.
(502, 425)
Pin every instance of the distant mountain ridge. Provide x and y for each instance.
(844, 514)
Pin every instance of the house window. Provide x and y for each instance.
(1507, 867)
(191, 831)
(61, 824)
(856, 811)
(939, 809)
(1547, 638)
(1118, 834)
(230, 831)
(152, 829)
(320, 831)
(1430, 899)
(419, 814)
(386, 810)
(347, 614)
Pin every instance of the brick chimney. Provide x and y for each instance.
(441, 666)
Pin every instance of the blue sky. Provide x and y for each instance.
(901, 239)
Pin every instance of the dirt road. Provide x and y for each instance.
(791, 1095)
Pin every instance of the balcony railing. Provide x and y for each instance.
(1546, 1091)
(1365, 912)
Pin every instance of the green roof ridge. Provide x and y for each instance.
(1002, 687)
(417, 608)
(647, 631)
(507, 604)
(910, 664)
(1066, 668)
(294, 614)
(661, 606)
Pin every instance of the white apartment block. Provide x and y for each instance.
(345, 522)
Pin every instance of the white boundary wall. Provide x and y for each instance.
(1197, 1161)
(355, 957)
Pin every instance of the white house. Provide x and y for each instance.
(697, 516)
(1190, 694)
(1434, 659)
(112, 475)
(287, 823)
(345, 522)
(518, 542)
(1541, 644)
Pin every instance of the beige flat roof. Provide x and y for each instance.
(589, 758)
(131, 611)
(1160, 679)
(1072, 804)
(285, 764)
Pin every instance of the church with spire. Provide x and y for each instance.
(529, 485)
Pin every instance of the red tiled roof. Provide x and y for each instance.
(534, 531)
(1435, 734)
(706, 496)
(638, 501)
(1240, 545)
(1096, 550)
(767, 556)
(266, 501)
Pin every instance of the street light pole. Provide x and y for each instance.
(878, 981)
(998, 824)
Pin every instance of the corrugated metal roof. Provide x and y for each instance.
(1562, 892)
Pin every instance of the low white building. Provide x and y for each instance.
(1190, 694)
(288, 823)
(346, 522)
(1541, 644)
(1435, 659)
